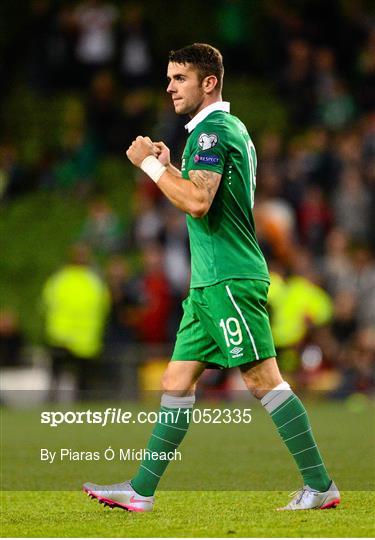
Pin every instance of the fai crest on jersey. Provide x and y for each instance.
(206, 142)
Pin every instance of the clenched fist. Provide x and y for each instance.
(140, 149)
(164, 155)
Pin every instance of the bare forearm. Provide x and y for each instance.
(182, 193)
(192, 196)
(173, 170)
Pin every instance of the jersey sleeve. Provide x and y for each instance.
(207, 149)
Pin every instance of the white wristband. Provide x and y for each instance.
(152, 166)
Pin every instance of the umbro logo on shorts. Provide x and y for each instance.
(236, 352)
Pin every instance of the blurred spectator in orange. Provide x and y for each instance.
(275, 223)
(11, 338)
(76, 303)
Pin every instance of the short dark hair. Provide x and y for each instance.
(207, 60)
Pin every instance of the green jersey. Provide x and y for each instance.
(223, 244)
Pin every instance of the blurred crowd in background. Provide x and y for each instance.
(315, 199)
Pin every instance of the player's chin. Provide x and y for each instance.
(179, 108)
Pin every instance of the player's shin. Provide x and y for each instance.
(290, 417)
(172, 425)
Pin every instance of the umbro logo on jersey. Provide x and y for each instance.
(236, 352)
(206, 142)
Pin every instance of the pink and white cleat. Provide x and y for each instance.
(310, 499)
(120, 496)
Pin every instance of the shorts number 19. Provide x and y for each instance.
(232, 331)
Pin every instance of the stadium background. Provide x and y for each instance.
(79, 80)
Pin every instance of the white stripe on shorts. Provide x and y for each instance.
(243, 320)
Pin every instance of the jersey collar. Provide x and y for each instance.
(198, 118)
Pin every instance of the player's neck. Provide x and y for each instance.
(210, 100)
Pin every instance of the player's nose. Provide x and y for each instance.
(170, 88)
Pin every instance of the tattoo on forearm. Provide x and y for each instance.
(207, 181)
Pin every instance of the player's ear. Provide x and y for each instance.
(209, 83)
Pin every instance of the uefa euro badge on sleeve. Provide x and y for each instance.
(206, 142)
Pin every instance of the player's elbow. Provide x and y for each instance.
(198, 209)
(198, 213)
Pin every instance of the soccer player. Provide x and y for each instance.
(225, 321)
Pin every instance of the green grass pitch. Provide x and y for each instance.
(184, 514)
(257, 476)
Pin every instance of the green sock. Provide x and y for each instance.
(166, 437)
(290, 417)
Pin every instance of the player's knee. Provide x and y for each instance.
(261, 377)
(175, 385)
(253, 388)
(258, 393)
(256, 385)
